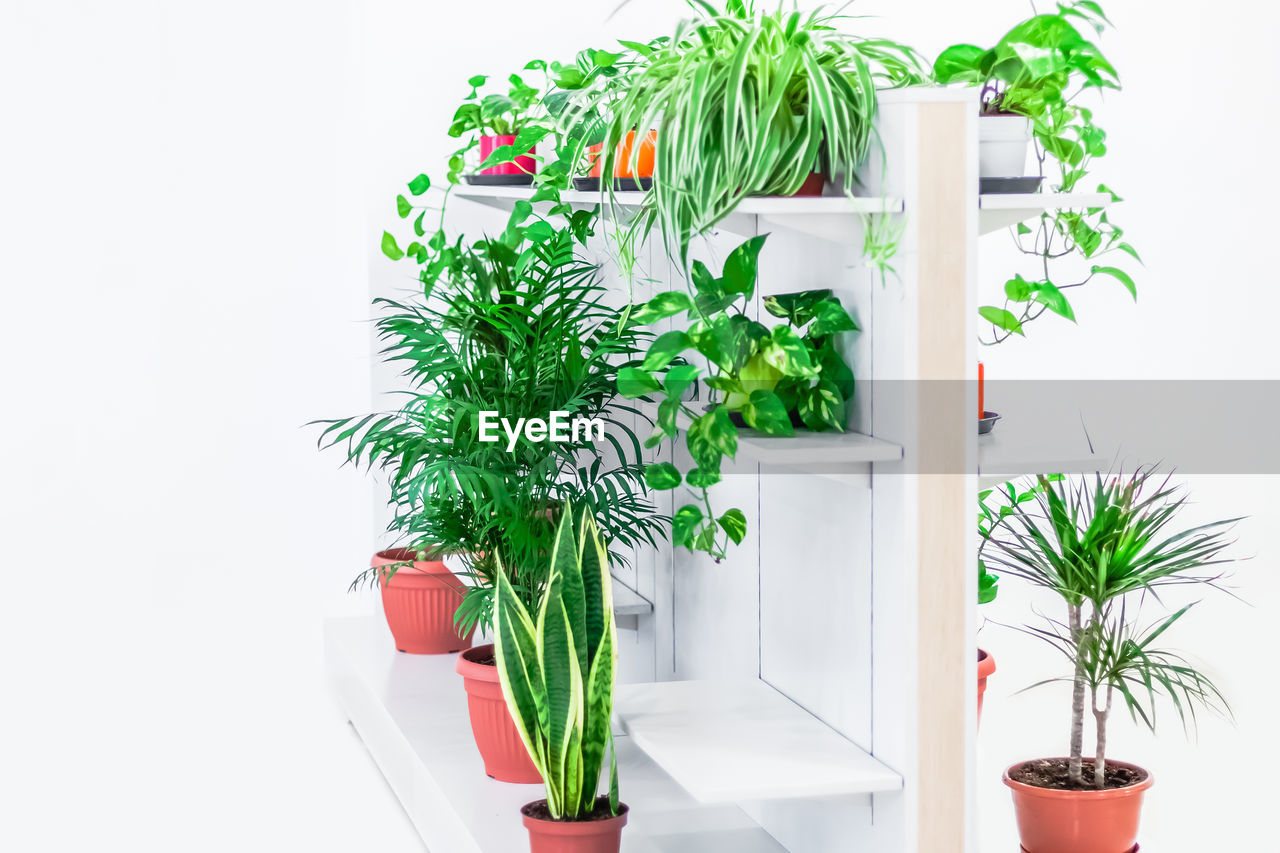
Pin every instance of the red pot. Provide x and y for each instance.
(522, 165)
(986, 666)
(574, 836)
(504, 753)
(813, 185)
(1052, 821)
(420, 601)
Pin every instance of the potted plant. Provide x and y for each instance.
(1031, 87)
(751, 103)
(1104, 547)
(558, 665)
(420, 599)
(497, 120)
(770, 378)
(516, 330)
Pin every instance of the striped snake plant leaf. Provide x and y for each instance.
(563, 678)
(516, 653)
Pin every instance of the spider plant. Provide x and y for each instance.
(521, 334)
(1095, 544)
(750, 103)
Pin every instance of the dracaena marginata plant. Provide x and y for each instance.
(751, 102)
(557, 664)
(767, 376)
(1103, 545)
(1041, 69)
(522, 334)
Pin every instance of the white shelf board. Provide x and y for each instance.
(743, 740)
(411, 712)
(628, 602)
(836, 218)
(814, 452)
(1005, 455)
(1001, 210)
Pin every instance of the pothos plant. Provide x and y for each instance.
(1041, 69)
(765, 374)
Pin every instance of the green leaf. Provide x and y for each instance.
(417, 225)
(710, 438)
(666, 347)
(1048, 294)
(389, 247)
(734, 524)
(765, 412)
(662, 476)
(684, 524)
(786, 351)
(740, 267)
(830, 318)
(960, 63)
(700, 479)
(403, 207)
(1017, 289)
(634, 382)
(1001, 319)
(661, 306)
(1120, 276)
(419, 185)
(822, 407)
(678, 380)
(796, 308)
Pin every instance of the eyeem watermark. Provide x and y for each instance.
(558, 428)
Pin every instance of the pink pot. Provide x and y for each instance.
(497, 738)
(986, 666)
(420, 601)
(1051, 821)
(574, 836)
(522, 165)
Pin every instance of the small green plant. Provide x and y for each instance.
(1040, 69)
(1097, 544)
(751, 103)
(990, 516)
(522, 334)
(558, 668)
(763, 374)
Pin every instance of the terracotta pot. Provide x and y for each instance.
(522, 165)
(1052, 821)
(574, 836)
(504, 753)
(986, 666)
(420, 601)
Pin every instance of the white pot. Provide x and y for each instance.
(1002, 146)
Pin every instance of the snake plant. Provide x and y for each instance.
(558, 672)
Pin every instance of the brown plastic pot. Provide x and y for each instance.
(986, 666)
(1051, 821)
(420, 601)
(574, 836)
(497, 738)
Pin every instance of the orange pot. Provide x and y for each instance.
(644, 163)
(574, 836)
(497, 738)
(593, 157)
(1051, 821)
(986, 666)
(420, 601)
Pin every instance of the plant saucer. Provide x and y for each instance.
(498, 180)
(987, 422)
(1008, 186)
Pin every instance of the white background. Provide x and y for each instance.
(190, 199)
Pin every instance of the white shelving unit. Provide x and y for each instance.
(816, 690)
(411, 712)
(695, 730)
